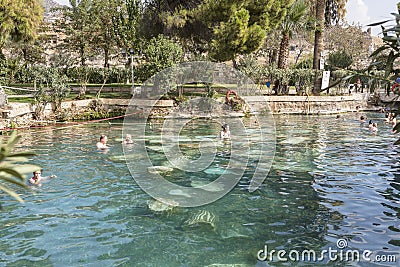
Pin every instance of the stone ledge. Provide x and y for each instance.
(355, 97)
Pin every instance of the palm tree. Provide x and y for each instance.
(318, 39)
(294, 21)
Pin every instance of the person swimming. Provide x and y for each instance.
(225, 133)
(37, 178)
(128, 139)
(373, 127)
(102, 144)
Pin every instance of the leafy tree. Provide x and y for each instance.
(236, 36)
(127, 18)
(270, 48)
(177, 21)
(11, 171)
(104, 36)
(238, 27)
(77, 25)
(52, 88)
(335, 11)
(61, 60)
(82, 76)
(305, 63)
(28, 53)
(3, 69)
(350, 40)
(160, 53)
(168, 17)
(19, 20)
(249, 66)
(339, 60)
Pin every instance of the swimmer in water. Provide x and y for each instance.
(225, 133)
(102, 144)
(128, 139)
(37, 178)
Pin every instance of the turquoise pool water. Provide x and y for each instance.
(331, 179)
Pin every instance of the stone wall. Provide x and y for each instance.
(310, 104)
(20, 114)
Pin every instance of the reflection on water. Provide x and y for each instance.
(331, 179)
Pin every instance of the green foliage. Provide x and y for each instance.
(3, 69)
(350, 40)
(19, 20)
(339, 60)
(80, 75)
(249, 66)
(335, 11)
(11, 171)
(238, 27)
(236, 36)
(388, 54)
(294, 21)
(102, 14)
(77, 25)
(52, 88)
(260, 74)
(10, 70)
(160, 53)
(127, 18)
(305, 63)
(95, 111)
(96, 75)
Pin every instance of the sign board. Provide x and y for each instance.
(325, 79)
(321, 64)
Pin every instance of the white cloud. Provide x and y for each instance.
(357, 12)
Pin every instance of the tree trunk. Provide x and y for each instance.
(272, 56)
(82, 56)
(106, 55)
(283, 51)
(25, 54)
(234, 63)
(299, 55)
(318, 41)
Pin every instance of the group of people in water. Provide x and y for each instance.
(225, 134)
(37, 177)
(390, 118)
(102, 144)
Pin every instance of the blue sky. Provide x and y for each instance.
(360, 12)
(364, 12)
